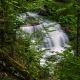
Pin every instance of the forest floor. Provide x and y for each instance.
(6, 76)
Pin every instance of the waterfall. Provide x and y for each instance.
(53, 38)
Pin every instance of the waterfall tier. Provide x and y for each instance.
(51, 35)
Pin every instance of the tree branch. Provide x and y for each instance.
(17, 66)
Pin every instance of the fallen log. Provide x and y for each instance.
(19, 68)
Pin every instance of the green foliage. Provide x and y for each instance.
(12, 69)
(69, 67)
(63, 12)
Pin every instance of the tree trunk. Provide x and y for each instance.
(78, 34)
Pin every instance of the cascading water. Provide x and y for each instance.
(53, 38)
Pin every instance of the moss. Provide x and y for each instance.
(19, 68)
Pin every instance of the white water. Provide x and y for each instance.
(55, 38)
